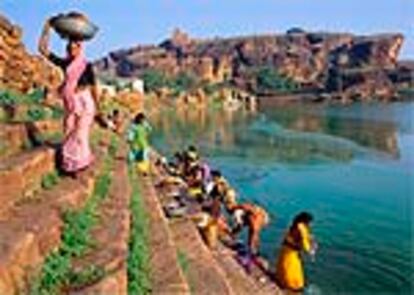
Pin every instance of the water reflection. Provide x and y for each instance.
(291, 135)
(372, 133)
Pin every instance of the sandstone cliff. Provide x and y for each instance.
(320, 61)
(19, 70)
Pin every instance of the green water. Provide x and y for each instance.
(352, 167)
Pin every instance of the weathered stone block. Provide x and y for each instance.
(21, 175)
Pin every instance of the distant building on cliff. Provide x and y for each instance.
(113, 86)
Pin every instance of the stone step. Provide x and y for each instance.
(42, 127)
(213, 271)
(111, 236)
(13, 139)
(16, 137)
(203, 273)
(166, 275)
(39, 131)
(243, 283)
(33, 229)
(21, 175)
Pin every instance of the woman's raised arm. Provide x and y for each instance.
(43, 45)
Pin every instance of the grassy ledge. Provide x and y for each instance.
(56, 273)
(184, 262)
(50, 180)
(138, 254)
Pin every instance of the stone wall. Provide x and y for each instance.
(19, 70)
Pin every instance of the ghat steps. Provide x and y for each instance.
(32, 230)
(31, 226)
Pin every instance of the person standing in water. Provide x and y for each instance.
(138, 138)
(289, 268)
(80, 96)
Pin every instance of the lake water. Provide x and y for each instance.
(351, 166)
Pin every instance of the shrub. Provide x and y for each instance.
(154, 80)
(50, 180)
(36, 96)
(8, 98)
(36, 113)
(57, 112)
(183, 82)
(271, 80)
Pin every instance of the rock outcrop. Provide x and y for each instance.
(19, 70)
(313, 60)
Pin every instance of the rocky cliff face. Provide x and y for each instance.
(19, 70)
(334, 62)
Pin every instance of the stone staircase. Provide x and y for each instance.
(16, 137)
(31, 227)
(255, 282)
(31, 218)
(31, 230)
(111, 239)
(205, 271)
(21, 175)
(12, 139)
(25, 161)
(167, 277)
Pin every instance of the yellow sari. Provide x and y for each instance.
(289, 269)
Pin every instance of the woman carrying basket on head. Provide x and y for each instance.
(79, 94)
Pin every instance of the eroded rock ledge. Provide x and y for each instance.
(363, 66)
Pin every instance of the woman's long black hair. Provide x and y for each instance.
(302, 217)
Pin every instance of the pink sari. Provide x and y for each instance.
(79, 115)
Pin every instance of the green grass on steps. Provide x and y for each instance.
(57, 273)
(182, 260)
(98, 136)
(35, 109)
(50, 180)
(92, 273)
(114, 144)
(184, 264)
(54, 137)
(11, 97)
(138, 250)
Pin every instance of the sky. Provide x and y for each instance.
(125, 23)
